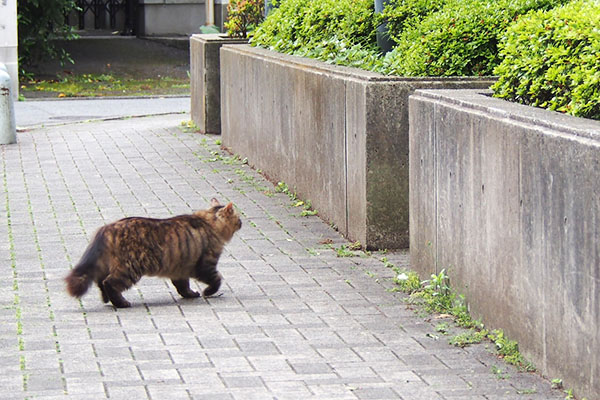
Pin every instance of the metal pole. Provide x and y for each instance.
(210, 12)
(8, 131)
(268, 7)
(383, 39)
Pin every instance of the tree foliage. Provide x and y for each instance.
(244, 16)
(40, 23)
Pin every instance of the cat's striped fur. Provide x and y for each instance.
(178, 248)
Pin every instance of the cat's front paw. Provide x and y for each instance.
(121, 304)
(190, 294)
(212, 295)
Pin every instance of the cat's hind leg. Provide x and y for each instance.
(183, 288)
(100, 284)
(113, 286)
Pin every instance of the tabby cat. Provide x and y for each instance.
(178, 248)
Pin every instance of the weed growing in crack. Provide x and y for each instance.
(443, 328)
(533, 390)
(436, 296)
(499, 373)
(556, 383)
(189, 126)
(469, 337)
(307, 209)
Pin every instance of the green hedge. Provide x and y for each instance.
(337, 31)
(400, 15)
(433, 37)
(552, 60)
(545, 56)
(459, 39)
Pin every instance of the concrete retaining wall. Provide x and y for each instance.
(205, 80)
(338, 135)
(507, 198)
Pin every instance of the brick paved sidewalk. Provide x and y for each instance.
(294, 321)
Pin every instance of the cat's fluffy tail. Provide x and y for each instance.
(80, 278)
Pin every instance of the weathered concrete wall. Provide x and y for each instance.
(507, 198)
(205, 80)
(8, 43)
(338, 135)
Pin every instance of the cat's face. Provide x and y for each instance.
(230, 217)
(226, 219)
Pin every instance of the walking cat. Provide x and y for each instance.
(178, 248)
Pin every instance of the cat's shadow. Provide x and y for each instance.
(162, 303)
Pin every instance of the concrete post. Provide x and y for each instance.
(8, 134)
(8, 42)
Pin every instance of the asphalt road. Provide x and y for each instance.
(36, 113)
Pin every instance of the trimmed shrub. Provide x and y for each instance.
(552, 60)
(400, 15)
(340, 31)
(460, 39)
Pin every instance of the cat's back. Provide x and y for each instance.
(156, 230)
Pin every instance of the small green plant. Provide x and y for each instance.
(282, 187)
(355, 246)
(533, 390)
(244, 16)
(307, 209)
(509, 351)
(308, 213)
(312, 252)
(472, 336)
(499, 373)
(189, 126)
(556, 383)
(408, 281)
(443, 328)
(344, 251)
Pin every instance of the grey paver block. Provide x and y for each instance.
(127, 392)
(242, 381)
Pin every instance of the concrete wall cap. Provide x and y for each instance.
(482, 100)
(350, 72)
(217, 37)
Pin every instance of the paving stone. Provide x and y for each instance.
(293, 320)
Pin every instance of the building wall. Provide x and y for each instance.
(8, 42)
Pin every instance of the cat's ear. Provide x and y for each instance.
(228, 209)
(214, 202)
